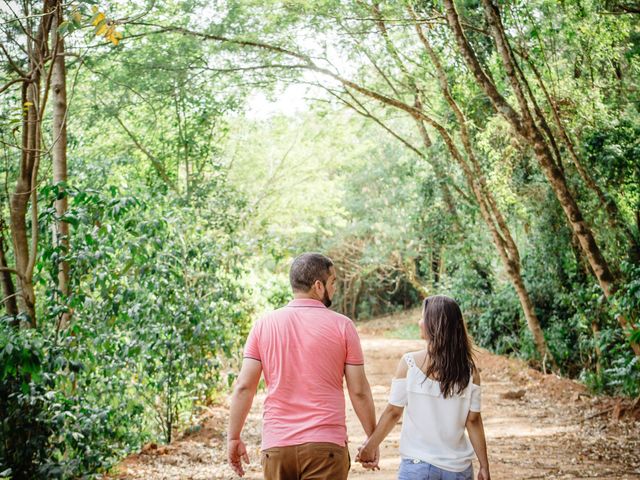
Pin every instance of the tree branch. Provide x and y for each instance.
(154, 161)
(220, 38)
(12, 82)
(13, 64)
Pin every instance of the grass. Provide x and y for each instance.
(409, 331)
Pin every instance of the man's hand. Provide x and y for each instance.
(236, 454)
(240, 405)
(368, 456)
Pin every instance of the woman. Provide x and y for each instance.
(438, 389)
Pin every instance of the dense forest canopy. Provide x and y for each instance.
(163, 161)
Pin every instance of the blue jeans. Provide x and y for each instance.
(419, 470)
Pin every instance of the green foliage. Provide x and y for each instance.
(499, 324)
(186, 206)
(157, 307)
(22, 404)
(614, 153)
(50, 429)
(277, 292)
(167, 292)
(623, 375)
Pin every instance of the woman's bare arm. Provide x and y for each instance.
(475, 428)
(388, 420)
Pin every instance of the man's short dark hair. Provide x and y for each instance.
(307, 268)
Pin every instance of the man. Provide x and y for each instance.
(304, 351)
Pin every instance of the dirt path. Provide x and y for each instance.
(538, 426)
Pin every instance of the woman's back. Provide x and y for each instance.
(433, 428)
(438, 400)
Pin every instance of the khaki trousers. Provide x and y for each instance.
(309, 461)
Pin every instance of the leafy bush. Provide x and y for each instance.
(49, 429)
(495, 321)
(25, 429)
(157, 308)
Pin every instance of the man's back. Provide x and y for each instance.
(303, 348)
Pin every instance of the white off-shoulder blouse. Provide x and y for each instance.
(433, 427)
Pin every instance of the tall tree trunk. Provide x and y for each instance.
(20, 197)
(503, 240)
(26, 184)
(59, 151)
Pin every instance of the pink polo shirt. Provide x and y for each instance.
(303, 348)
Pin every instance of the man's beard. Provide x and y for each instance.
(325, 298)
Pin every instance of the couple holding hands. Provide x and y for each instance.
(304, 350)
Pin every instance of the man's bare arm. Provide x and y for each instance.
(360, 395)
(241, 401)
(362, 401)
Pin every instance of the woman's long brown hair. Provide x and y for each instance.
(449, 354)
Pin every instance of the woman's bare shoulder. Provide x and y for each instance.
(419, 356)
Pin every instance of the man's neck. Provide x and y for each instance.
(305, 296)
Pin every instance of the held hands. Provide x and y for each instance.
(236, 454)
(368, 456)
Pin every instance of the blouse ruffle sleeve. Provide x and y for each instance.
(398, 394)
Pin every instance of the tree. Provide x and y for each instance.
(59, 149)
(35, 83)
(537, 135)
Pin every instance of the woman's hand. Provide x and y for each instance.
(483, 474)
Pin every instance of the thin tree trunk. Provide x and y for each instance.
(8, 288)
(59, 152)
(606, 202)
(20, 197)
